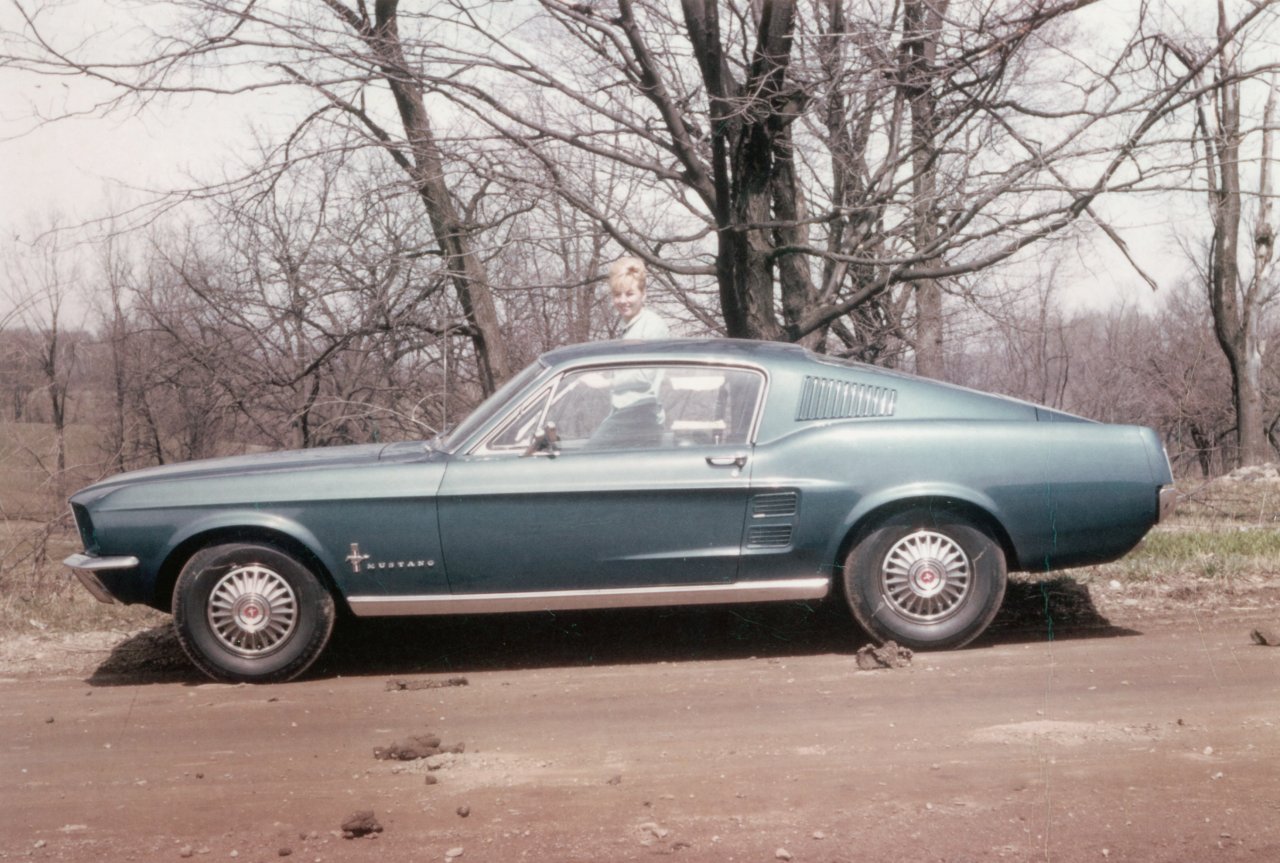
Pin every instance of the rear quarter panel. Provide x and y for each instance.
(1063, 494)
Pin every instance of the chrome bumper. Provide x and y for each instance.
(86, 565)
(1168, 501)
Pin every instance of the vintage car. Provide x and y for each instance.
(623, 474)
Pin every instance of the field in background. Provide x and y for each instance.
(28, 465)
(1222, 544)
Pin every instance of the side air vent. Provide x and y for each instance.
(831, 399)
(774, 505)
(767, 536)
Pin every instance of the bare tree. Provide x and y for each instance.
(826, 156)
(347, 60)
(1187, 382)
(1237, 272)
(834, 167)
(43, 281)
(1160, 368)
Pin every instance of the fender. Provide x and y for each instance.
(247, 520)
(904, 496)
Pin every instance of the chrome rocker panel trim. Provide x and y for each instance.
(571, 600)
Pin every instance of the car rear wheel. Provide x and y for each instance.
(928, 579)
(251, 613)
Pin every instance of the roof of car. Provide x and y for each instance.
(677, 349)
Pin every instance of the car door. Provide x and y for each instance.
(648, 487)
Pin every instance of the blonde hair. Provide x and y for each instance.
(627, 273)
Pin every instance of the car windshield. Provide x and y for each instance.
(489, 407)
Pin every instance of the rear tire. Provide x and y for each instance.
(251, 613)
(928, 579)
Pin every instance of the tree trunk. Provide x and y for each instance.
(427, 173)
(921, 25)
(746, 122)
(55, 379)
(1235, 306)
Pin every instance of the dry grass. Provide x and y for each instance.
(1230, 502)
(29, 488)
(37, 593)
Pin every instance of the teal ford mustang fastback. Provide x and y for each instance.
(625, 474)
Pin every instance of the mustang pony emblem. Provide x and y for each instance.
(356, 558)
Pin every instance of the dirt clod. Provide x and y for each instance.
(415, 685)
(887, 655)
(1266, 636)
(362, 823)
(410, 749)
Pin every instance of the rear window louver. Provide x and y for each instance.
(831, 399)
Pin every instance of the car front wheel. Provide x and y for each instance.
(248, 612)
(927, 579)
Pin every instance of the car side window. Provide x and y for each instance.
(522, 426)
(639, 407)
(710, 406)
(651, 407)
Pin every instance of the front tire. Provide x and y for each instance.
(928, 579)
(251, 613)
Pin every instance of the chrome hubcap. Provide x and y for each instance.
(926, 576)
(252, 610)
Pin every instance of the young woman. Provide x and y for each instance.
(627, 284)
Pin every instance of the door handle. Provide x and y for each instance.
(738, 460)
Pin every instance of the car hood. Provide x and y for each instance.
(264, 463)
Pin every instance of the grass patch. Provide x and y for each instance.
(1200, 553)
(1189, 546)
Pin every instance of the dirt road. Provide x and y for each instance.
(718, 734)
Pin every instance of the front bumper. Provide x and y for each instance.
(87, 566)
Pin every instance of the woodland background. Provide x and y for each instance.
(439, 188)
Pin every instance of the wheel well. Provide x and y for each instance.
(172, 566)
(878, 516)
